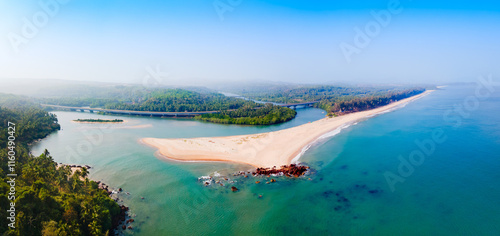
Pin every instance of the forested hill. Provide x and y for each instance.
(308, 93)
(232, 110)
(35, 122)
(340, 106)
(178, 100)
(336, 100)
(138, 98)
(48, 199)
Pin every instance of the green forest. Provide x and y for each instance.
(232, 110)
(178, 100)
(49, 200)
(267, 115)
(340, 106)
(143, 99)
(336, 100)
(298, 94)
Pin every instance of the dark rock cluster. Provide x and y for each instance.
(76, 166)
(118, 219)
(103, 186)
(121, 217)
(292, 170)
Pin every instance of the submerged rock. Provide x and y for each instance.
(234, 189)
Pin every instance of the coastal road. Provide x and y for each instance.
(128, 112)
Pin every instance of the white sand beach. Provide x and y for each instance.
(260, 150)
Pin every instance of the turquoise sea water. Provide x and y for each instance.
(450, 189)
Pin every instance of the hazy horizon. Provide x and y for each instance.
(203, 42)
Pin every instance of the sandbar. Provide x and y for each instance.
(265, 149)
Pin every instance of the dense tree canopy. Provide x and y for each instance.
(178, 100)
(344, 106)
(142, 99)
(336, 100)
(311, 93)
(267, 115)
(232, 110)
(49, 199)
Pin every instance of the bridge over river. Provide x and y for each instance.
(155, 113)
(129, 112)
(295, 105)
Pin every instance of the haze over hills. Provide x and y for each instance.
(57, 87)
(336, 100)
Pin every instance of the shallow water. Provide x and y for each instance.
(453, 191)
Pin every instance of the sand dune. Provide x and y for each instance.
(264, 149)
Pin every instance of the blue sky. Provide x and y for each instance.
(192, 42)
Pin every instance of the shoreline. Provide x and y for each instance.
(276, 148)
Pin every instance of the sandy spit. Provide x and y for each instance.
(265, 149)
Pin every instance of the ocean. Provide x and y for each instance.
(428, 168)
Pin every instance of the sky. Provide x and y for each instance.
(196, 42)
